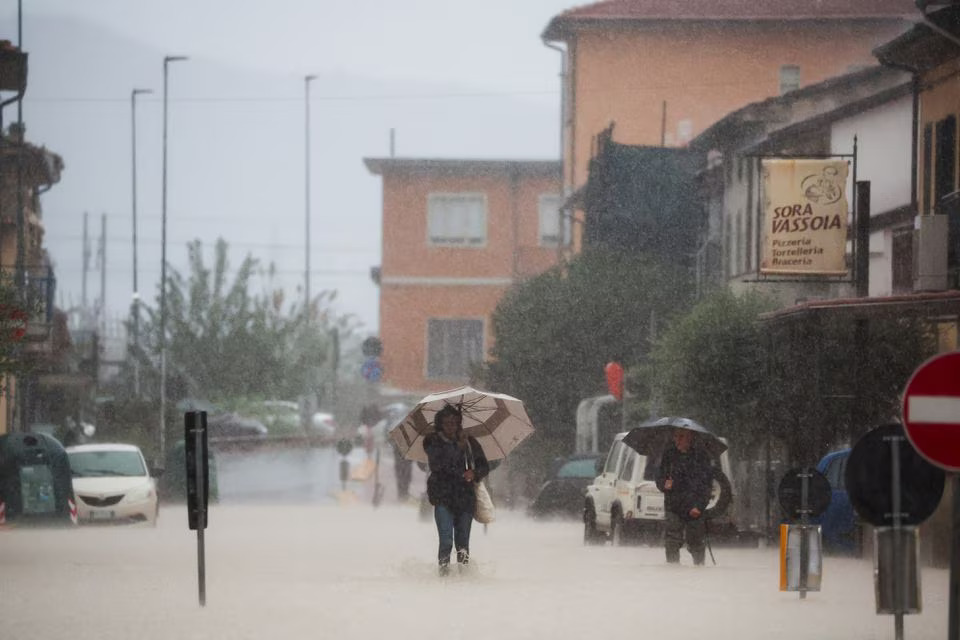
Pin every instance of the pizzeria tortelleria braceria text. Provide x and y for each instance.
(805, 216)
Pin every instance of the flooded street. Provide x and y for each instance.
(348, 571)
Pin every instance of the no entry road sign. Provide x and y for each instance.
(931, 410)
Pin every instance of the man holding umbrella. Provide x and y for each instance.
(685, 477)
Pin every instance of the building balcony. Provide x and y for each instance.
(33, 292)
(13, 68)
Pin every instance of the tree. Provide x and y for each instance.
(555, 332)
(709, 365)
(832, 378)
(225, 343)
(811, 382)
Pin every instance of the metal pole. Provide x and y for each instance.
(199, 434)
(306, 270)
(163, 274)
(102, 320)
(136, 290)
(954, 625)
(805, 476)
(899, 575)
(22, 141)
(862, 239)
(663, 125)
(86, 267)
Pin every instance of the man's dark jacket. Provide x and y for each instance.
(448, 461)
(692, 475)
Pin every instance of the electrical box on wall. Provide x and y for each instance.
(930, 234)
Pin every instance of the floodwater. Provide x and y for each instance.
(342, 569)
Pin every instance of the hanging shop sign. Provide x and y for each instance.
(805, 217)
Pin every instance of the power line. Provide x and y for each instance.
(343, 98)
(320, 272)
(252, 245)
(646, 88)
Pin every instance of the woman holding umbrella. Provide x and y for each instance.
(456, 463)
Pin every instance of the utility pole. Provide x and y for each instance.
(102, 319)
(306, 271)
(136, 291)
(86, 267)
(161, 458)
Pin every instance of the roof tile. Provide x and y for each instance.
(653, 10)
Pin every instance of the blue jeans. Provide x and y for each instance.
(453, 529)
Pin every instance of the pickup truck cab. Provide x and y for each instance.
(624, 502)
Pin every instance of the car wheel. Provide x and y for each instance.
(590, 534)
(616, 530)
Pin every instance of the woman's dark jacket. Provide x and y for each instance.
(445, 484)
(692, 475)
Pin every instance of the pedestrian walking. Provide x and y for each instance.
(685, 477)
(456, 463)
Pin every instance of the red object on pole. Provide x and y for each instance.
(931, 410)
(614, 379)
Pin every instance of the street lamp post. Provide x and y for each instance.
(306, 271)
(136, 291)
(163, 272)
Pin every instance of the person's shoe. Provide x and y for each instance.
(698, 558)
(673, 556)
(444, 569)
(463, 556)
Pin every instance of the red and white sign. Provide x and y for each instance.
(931, 410)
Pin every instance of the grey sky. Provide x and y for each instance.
(456, 79)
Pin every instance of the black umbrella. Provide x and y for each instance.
(652, 437)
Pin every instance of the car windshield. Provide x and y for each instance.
(586, 468)
(87, 464)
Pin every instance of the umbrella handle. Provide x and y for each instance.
(468, 460)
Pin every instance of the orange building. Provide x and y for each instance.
(456, 235)
(665, 70)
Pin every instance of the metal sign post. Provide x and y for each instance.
(195, 441)
(931, 416)
(899, 573)
(894, 489)
(804, 493)
(804, 521)
(954, 628)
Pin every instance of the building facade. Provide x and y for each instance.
(665, 71)
(867, 112)
(456, 235)
(26, 171)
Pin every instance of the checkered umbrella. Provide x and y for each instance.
(498, 422)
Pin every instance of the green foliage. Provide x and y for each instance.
(813, 382)
(224, 343)
(709, 365)
(832, 379)
(555, 332)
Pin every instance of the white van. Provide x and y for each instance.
(624, 502)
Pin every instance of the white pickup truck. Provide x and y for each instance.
(624, 502)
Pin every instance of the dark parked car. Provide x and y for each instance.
(841, 529)
(231, 425)
(562, 494)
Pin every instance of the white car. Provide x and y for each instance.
(112, 484)
(624, 502)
